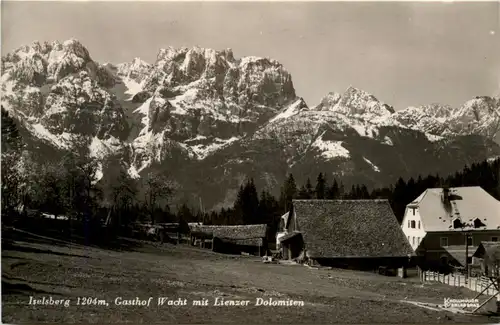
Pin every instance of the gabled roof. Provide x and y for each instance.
(285, 219)
(488, 249)
(466, 203)
(231, 232)
(240, 231)
(458, 253)
(350, 228)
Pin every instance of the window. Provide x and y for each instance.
(413, 224)
(478, 223)
(457, 223)
(413, 240)
(494, 238)
(413, 211)
(408, 238)
(419, 225)
(418, 240)
(444, 241)
(469, 241)
(469, 260)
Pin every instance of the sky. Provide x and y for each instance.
(404, 53)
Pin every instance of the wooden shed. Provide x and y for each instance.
(251, 239)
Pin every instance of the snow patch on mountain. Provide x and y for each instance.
(330, 149)
(291, 110)
(365, 130)
(375, 168)
(133, 87)
(61, 141)
(388, 141)
(144, 110)
(101, 148)
(433, 138)
(204, 150)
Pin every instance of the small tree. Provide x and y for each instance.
(157, 188)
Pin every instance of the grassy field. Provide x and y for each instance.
(37, 267)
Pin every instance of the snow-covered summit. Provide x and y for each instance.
(355, 102)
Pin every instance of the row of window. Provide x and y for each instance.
(444, 240)
(413, 240)
(411, 224)
(470, 242)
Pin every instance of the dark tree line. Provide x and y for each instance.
(68, 187)
(250, 208)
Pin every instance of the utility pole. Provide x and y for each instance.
(466, 257)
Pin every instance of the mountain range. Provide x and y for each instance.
(209, 120)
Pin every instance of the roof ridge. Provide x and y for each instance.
(453, 187)
(341, 200)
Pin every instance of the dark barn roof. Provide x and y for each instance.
(240, 231)
(250, 235)
(242, 242)
(247, 235)
(350, 228)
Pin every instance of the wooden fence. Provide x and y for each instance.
(477, 284)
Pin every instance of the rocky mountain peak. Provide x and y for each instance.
(136, 70)
(74, 46)
(329, 101)
(356, 102)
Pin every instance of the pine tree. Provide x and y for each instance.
(320, 187)
(341, 193)
(333, 191)
(247, 204)
(288, 192)
(309, 189)
(364, 194)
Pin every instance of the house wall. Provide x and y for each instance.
(293, 247)
(432, 250)
(234, 248)
(278, 236)
(364, 263)
(433, 239)
(413, 235)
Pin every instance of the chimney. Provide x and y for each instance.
(445, 198)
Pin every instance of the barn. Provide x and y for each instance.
(202, 234)
(250, 239)
(235, 239)
(358, 234)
